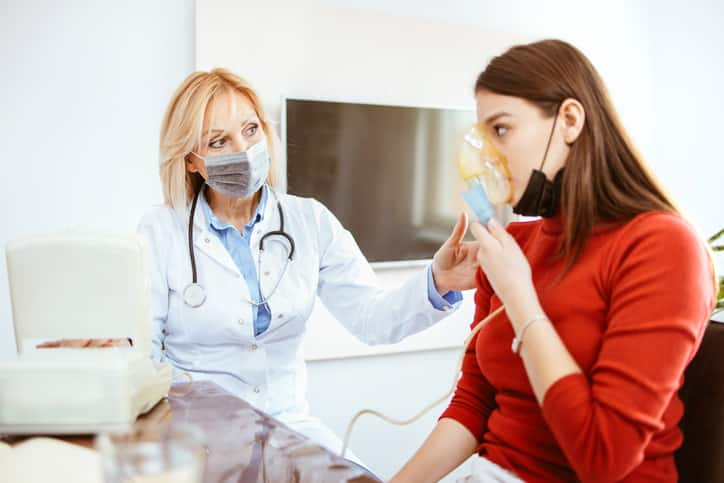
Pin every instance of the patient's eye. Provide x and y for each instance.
(500, 130)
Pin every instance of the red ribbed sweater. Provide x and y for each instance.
(632, 312)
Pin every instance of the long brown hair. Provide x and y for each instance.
(606, 179)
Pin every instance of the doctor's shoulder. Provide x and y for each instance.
(161, 225)
(312, 220)
(303, 209)
(160, 217)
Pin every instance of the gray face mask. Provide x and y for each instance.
(238, 175)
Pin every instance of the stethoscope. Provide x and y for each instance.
(195, 294)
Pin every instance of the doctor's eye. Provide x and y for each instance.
(217, 143)
(251, 130)
(500, 130)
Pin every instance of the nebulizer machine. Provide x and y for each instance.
(485, 171)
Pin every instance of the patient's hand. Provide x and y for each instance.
(90, 343)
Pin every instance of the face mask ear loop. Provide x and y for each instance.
(550, 138)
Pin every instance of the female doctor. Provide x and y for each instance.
(236, 266)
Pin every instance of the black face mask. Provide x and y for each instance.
(542, 197)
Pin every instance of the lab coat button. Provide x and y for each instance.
(280, 316)
(241, 321)
(254, 347)
(266, 273)
(257, 389)
(206, 240)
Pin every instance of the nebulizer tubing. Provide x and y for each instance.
(405, 422)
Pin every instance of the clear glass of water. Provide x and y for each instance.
(153, 453)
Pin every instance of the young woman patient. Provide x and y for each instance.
(607, 295)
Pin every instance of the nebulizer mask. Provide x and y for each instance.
(485, 170)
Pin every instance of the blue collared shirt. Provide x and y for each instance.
(441, 302)
(240, 250)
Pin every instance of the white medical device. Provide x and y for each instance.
(79, 285)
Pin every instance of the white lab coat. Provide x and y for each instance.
(219, 335)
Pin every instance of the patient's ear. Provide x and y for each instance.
(572, 117)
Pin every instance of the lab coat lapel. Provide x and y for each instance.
(269, 221)
(209, 244)
(273, 261)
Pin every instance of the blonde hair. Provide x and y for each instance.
(181, 132)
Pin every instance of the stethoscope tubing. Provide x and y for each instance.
(195, 294)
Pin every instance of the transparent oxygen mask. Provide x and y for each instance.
(485, 170)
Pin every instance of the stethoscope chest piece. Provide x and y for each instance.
(194, 295)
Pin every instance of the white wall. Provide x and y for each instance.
(687, 45)
(83, 88)
(652, 55)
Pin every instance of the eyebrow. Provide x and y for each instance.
(246, 121)
(212, 131)
(496, 116)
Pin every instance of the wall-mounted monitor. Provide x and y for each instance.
(387, 172)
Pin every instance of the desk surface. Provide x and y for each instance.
(225, 419)
(240, 439)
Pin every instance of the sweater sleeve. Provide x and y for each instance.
(661, 293)
(474, 397)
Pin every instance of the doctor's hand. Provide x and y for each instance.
(507, 269)
(84, 343)
(454, 264)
